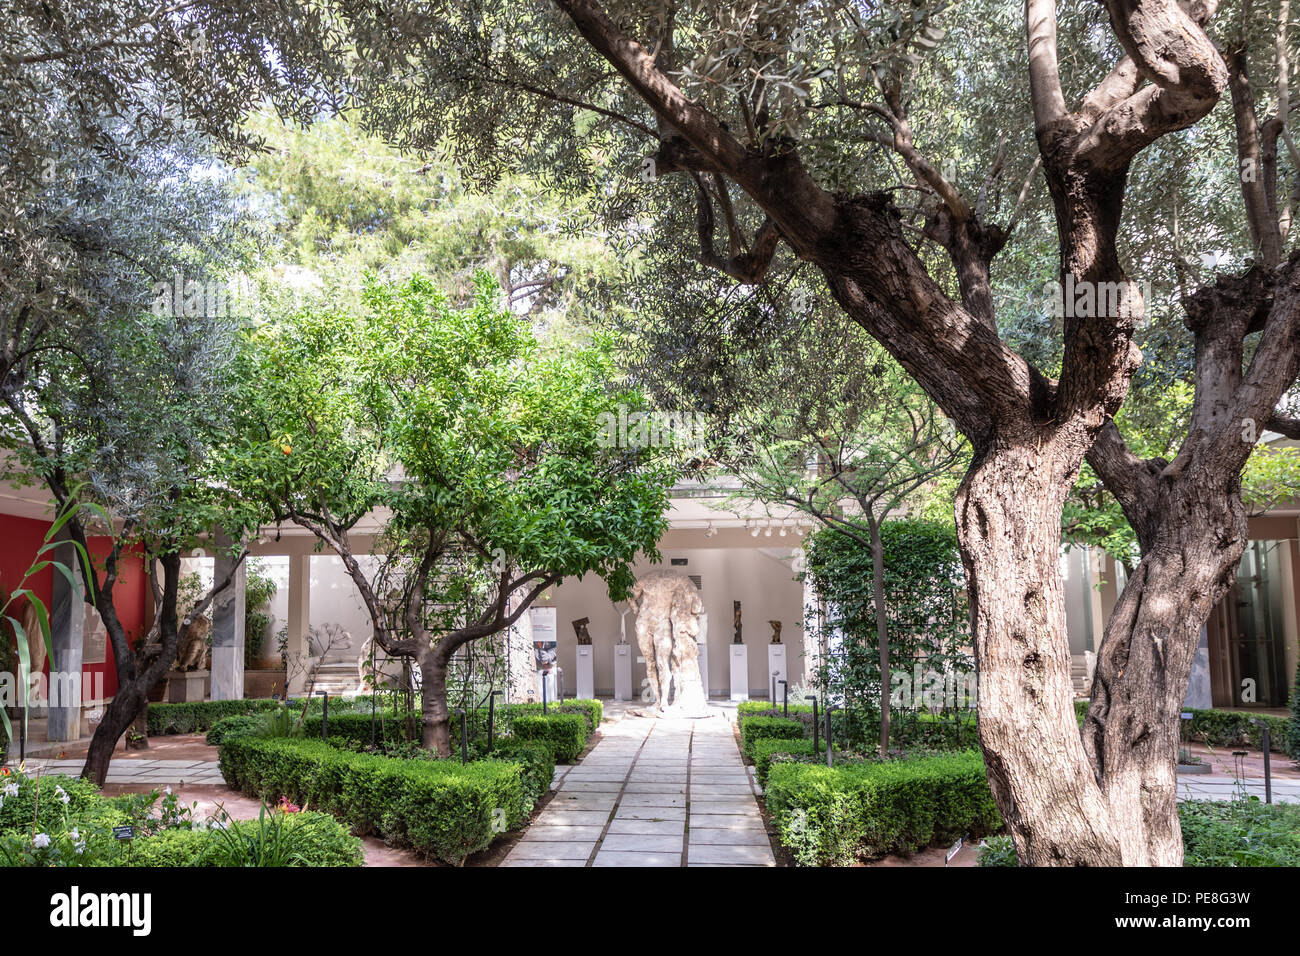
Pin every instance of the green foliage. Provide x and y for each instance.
(440, 808)
(566, 733)
(593, 710)
(1215, 833)
(198, 716)
(753, 729)
(1240, 833)
(765, 751)
(281, 838)
(258, 591)
(536, 756)
(835, 815)
(929, 622)
(1232, 728)
(239, 725)
(997, 851)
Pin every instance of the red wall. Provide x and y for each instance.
(21, 538)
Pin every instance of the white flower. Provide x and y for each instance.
(40, 841)
(167, 790)
(11, 789)
(78, 843)
(62, 795)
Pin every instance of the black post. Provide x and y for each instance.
(324, 714)
(816, 729)
(830, 755)
(492, 703)
(464, 739)
(544, 673)
(785, 699)
(1268, 765)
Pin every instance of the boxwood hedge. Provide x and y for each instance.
(834, 815)
(440, 808)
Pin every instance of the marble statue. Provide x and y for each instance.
(670, 618)
(192, 652)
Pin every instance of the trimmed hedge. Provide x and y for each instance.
(244, 725)
(1232, 728)
(593, 710)
(440, 808)
(767, 748)
(753, 729)
(198, 716)
(835, 815)
(535, 756)
(565, 733)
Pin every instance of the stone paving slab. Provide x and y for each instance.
(611, 858)
(628, 802)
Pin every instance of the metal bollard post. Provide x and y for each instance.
(324, 714)
(830, 753)
(543, 692)
(492, 700)
(1268, 764)
(815, 727)
(464, 739)
(785, 698)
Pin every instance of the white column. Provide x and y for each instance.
(228, 624)
(67, 620)
(299, 621)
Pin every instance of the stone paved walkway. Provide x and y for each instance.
(1206, 787)
(137, 771)
(652, 792)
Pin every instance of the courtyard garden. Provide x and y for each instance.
(613, 434)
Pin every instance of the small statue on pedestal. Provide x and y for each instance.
(735, 616)
(776, 631)
(580, 630)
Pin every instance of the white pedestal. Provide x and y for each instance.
(552, 684)
(622, 671)
(586, 672)
(739, 672)
(775, 670)
(704, 666)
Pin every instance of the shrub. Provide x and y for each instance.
(49, 802)
(753, 729)
(997, 851)
(1230, 728)
(767, 750)
(833, 815)
(283, 839)
(1232, 833)
(763, 708)
(535, 756)
(244, 725)
(593, 710)
(439, 807)
(566, 733)
(197, 716)
(1240, 833)
(1080, 712)
(170, 848)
